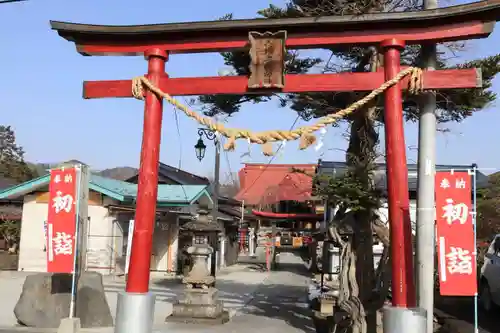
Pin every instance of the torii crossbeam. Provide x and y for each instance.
(390, 31)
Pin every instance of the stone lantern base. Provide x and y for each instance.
(199, 306)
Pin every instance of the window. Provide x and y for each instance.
(198, 239)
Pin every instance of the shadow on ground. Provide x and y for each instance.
(463, 309)
(282, 303)
(283, 297)
(279, 302)
(292, 268)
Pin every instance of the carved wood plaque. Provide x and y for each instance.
(267, 59)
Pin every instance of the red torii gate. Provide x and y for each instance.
(391, 31)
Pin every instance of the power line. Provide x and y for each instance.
(8, 1)
(179, 164)
(176, 117)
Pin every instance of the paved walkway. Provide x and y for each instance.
(279, 305)
(258, 301)
(236, 284)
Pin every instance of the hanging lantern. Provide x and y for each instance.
(200, 149)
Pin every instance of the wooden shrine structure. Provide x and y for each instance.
(267, 40)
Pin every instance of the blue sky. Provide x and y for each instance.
(42, 85)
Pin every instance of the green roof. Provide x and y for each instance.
(117, 189)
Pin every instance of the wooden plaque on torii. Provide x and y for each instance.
(267, 60)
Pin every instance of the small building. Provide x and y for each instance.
(277, 188)
(229, 213)
(338, 169)
(111, 207)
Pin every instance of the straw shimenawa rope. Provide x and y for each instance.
(265, 138)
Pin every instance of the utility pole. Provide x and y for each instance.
(425, 227)
(215, 210)
(200, 153)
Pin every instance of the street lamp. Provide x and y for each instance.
(200, 149)
(200, 145)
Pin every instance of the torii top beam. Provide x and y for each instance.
(475, 20)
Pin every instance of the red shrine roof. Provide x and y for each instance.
(271, 183)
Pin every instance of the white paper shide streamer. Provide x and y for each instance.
(320, 144)
(282, 148)
(249, 152)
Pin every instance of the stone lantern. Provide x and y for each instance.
(200, 303)
(202, 228)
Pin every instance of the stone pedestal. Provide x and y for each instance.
(200, 303)
(199, 306)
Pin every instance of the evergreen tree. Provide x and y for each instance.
(12, 164)
(452, 105)
(488, 207)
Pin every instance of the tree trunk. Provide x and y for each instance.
(360, 158)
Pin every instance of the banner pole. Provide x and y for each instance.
(474, 220)
(72, 306)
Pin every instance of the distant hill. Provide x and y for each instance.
(40, 168)
(119, 173)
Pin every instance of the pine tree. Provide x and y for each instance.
(488, 208)
(452, 105)
(12, 164)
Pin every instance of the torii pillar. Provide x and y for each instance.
(136, 306)
(403, 293)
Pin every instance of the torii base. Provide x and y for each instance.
(408, 320)
(135, 313)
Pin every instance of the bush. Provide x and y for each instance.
(10, 231)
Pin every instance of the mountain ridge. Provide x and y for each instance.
(119, 173)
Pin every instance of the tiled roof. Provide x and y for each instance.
(339, 168)
(293, 187)
(263, 182)
(166, 193)
(170, 175)
(119, 190)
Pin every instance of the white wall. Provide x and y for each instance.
(384, 213)
(102, 240)
(32, 255)
(175, 243)
(164, 226)
(159, 259)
